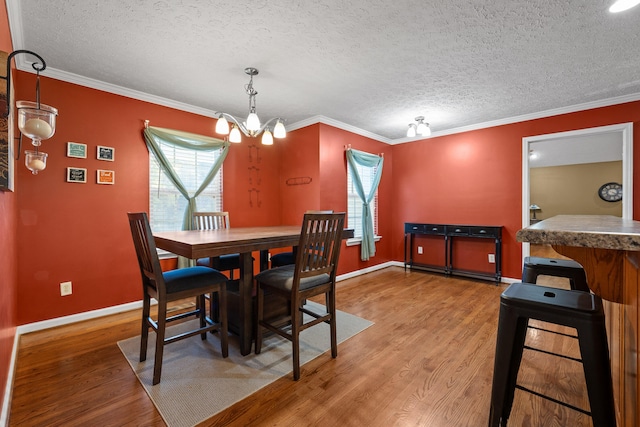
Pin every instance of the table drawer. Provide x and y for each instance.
(492, 232)
(434, 229)
(410, 227)
(456, 230)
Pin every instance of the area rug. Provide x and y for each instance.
(197, 382)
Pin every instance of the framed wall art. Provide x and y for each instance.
(77, 150)
(106, 177)
(106, 153)
(77, 175)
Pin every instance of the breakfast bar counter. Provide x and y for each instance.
(608, 248)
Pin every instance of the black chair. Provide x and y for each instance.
(314, 273)
(576, 309)
(172, 286)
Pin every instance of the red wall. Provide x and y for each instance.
(476, 177)
(8, 247)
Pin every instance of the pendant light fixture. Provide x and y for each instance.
(419, 128)
(622, 5)
(251, 126)
(35, 120)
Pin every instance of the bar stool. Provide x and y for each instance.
(537, 266)
(580, 310)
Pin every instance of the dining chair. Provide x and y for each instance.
(215, 221)
(288, 258)
(314, 273)
(166, 287)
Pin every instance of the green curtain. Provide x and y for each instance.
(355, 157)
(153, 136)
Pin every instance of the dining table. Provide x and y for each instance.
(194, 244)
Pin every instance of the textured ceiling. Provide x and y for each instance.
(373, 65)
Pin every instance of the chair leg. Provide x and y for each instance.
(331, 308)
(202, 314)
(259, 315)
(222, 319)
(296, 320)
(160, 333)
(144, 333)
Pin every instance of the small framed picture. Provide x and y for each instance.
(106, 177)
(106, 153)
(77, 175)
(77, 150)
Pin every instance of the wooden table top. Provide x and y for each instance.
(195, 244)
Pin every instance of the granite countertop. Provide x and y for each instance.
(590, 231)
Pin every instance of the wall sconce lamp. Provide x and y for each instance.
(35, 120)
(419, 128)
(250, 127)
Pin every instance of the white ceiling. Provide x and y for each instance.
(372, 65)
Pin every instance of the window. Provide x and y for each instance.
(166, 204)
(354, 204)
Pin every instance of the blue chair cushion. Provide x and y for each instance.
(282, 278)
(222, 263)
(282, 259)
(184, 279)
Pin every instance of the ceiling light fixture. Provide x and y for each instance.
(419, 128)
(622, 5)
(251, 127)
(35, 120)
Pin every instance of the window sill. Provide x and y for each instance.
(358, 240)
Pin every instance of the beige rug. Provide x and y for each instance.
(197, 382)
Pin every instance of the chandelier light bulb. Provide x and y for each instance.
(279, 131)
(234, 135)
(411, 132)
(253, 122)
(222, 125)
(267, 138)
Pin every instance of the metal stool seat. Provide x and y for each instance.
(580, 310)
(537, 266)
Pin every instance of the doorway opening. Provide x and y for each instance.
(604, 143)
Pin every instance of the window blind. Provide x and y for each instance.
(354, 204)
(166, 204)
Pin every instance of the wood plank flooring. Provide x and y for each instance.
(427, 361)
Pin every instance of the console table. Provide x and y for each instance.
(449, 233)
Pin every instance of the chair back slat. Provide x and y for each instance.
(319, 245)
(146, 252)
(210, 220)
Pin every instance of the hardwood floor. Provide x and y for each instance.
(427, 361)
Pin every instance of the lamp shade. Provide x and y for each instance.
(234, 135)
(267, 138)
(279, 131)
(253, 122)
(222, 125)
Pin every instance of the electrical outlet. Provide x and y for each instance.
(492, 259)
(420, 249)
(65, 288)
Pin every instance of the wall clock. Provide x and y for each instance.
(610, 192)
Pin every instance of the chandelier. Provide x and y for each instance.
(35, 120)
(419, 128)
(252, 126)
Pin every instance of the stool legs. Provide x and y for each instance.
(597, 374)
(512, 332)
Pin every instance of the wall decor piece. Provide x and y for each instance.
(106, 176)
(77, 175)
(106, 153)
(77, 150)
(299, 180)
